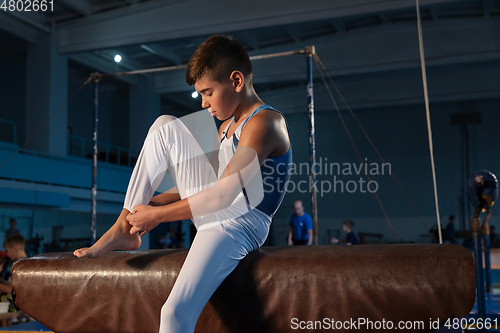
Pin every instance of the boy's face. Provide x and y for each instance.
(221, 98)
(11, 252)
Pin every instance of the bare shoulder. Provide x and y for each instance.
(269, 119)
(269, 128)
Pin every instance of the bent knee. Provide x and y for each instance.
(174, 313)
(167, 311)
(162, 120)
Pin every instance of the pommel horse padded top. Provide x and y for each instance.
(124, 291)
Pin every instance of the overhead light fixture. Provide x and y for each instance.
(118, 58)
(194, 94)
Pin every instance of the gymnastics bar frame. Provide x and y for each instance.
(309, 51)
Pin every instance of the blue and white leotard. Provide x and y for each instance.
(275, 173)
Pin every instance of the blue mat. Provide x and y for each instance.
(492, 306)
(26, 327)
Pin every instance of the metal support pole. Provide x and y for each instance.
(312, 145)
(93, 227)
(478, 256)
(467, 170)
(487, 258)
(464, 176)
(481, 302)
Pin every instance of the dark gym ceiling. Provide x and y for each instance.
(370, 47)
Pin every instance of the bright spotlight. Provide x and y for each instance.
(194, 94)
(118, 58)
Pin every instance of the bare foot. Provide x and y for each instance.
(118, 237)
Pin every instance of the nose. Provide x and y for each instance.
(204, 104)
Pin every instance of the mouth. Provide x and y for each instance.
(212, 112)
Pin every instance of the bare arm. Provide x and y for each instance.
(253, 149)
(290, 233)
(165, 198)
(310, 237)
(337, 241)
(5, 287)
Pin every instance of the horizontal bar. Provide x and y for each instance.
(99, 76)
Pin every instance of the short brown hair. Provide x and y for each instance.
(218, 57)
(14, 240)
(348, 223)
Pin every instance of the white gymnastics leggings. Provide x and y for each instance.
(217, 247)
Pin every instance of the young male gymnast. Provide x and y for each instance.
(231, 210)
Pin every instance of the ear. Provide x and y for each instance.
(238, 80)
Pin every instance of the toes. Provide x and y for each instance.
(80, 253)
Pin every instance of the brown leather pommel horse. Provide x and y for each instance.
(274, 289)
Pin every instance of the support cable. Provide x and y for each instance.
(428, 117)
(358, 155)
(396, 181)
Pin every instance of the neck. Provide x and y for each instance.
(249, 102)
